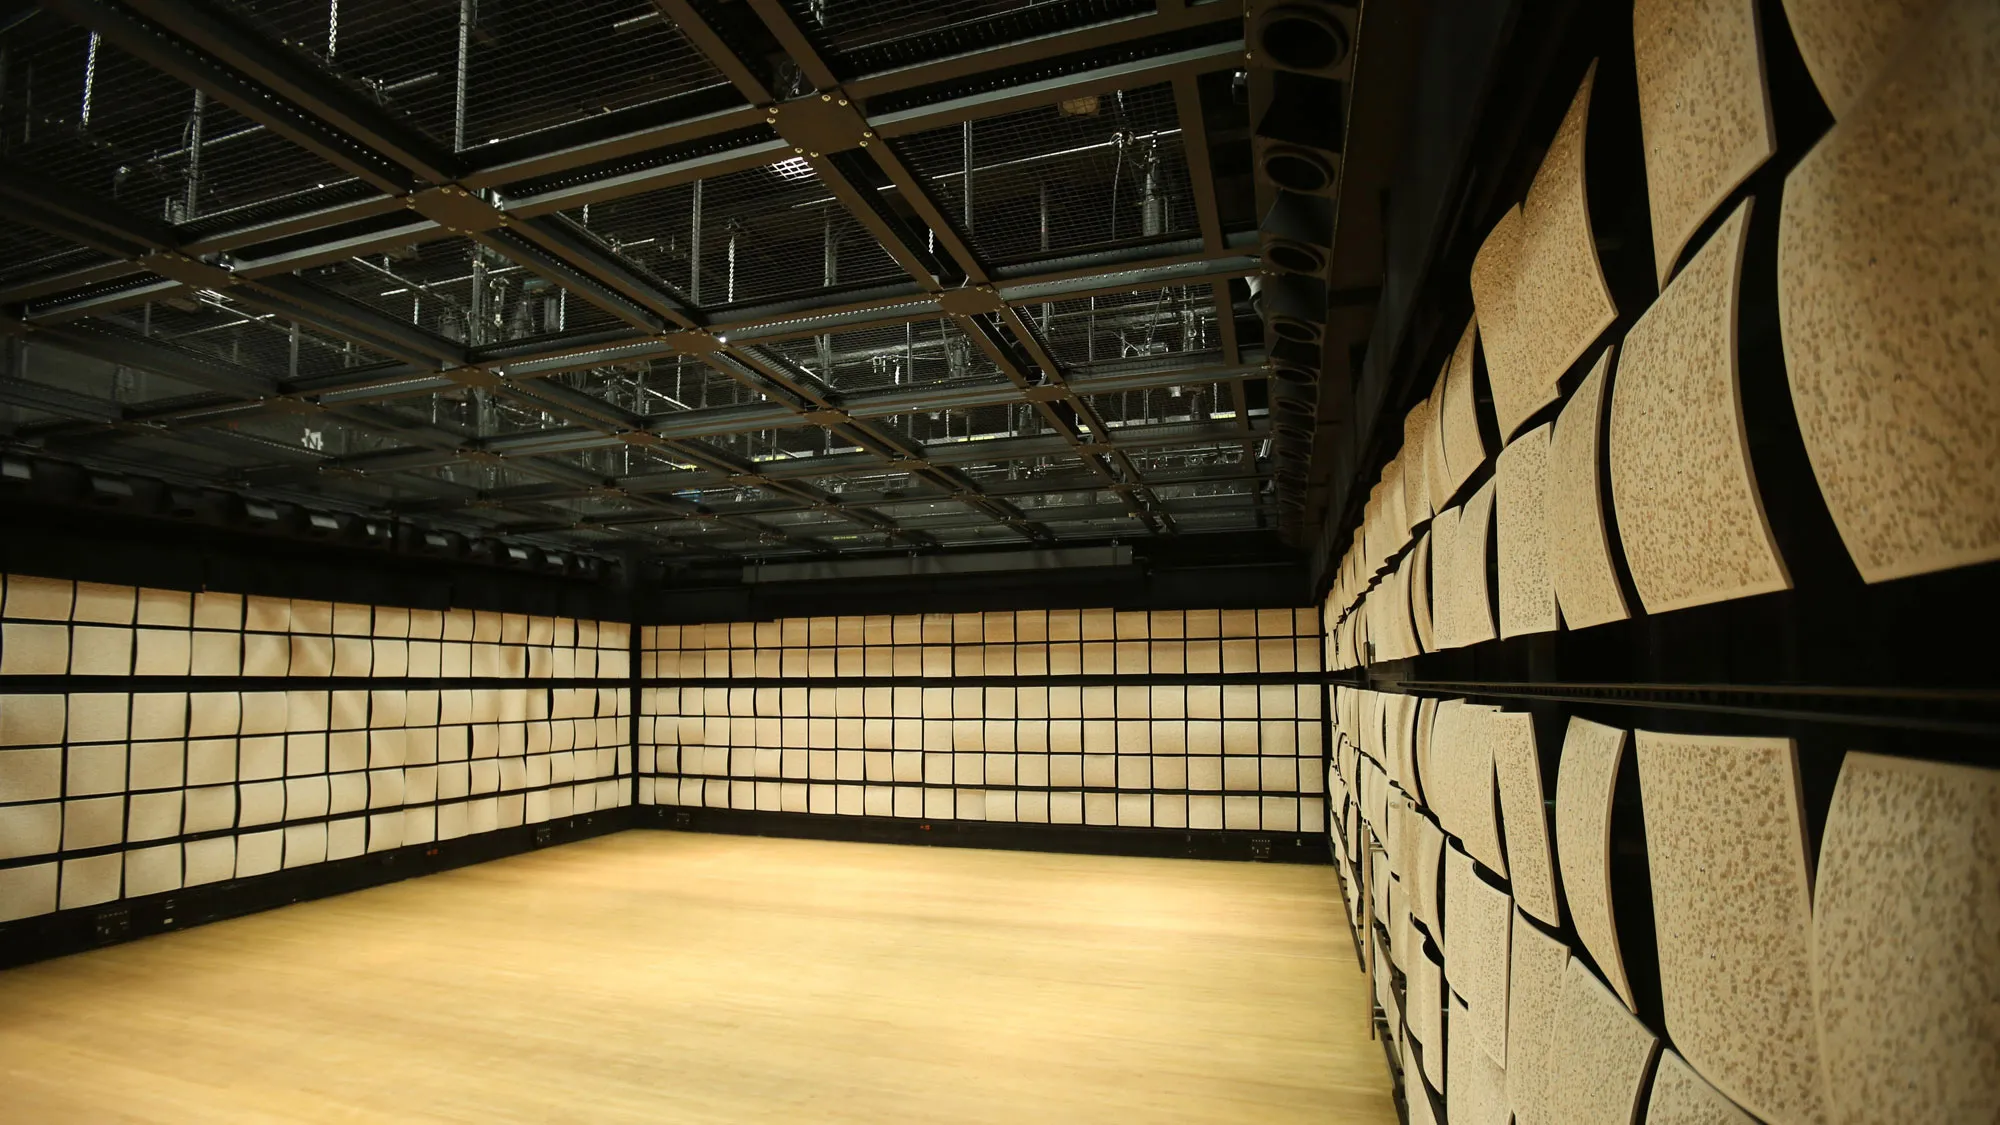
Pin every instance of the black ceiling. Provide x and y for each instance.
(558, 273)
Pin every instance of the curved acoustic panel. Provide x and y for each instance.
(1475, 1088)
(1580, 566)
(1458, 421)
(1537, 285)
(1704, 111)
(1517, 769)
(1846, 42)
(1462, 751)
(1680, 1097)
(1426, 1004)
(1601, 1053)
(1420, 593)
(1415, 457)
(1906, 942)
(1689, 512)
(1534, 993)
(1430, 853)
(1445, 592)
(1521, 529)
(1732, 905)
(1479, 927)
(1591, 757)
(1475, 603)
(1887, 273)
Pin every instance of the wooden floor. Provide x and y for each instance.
(665, 977)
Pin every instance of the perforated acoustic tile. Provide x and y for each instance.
(1521, 534)
(1517, 769)
(1537, 285)
(1704, 111)
(1906, 942)
(1680, 1097)
(1886, 278)
(1445, 591)
(1420, 593)
(1732, 905)
(1689, 513)
(1480, 929)
(1458, 420)
(1476, 1086)
(1601, 1054)
(1415, 455)
(1591, 757)
(1580, 565)
(1845, 43)
(1534, 994)
(1475, 604)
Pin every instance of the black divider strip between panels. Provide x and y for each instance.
(87, 927)
(1084, 839)
(1096, 679)
(1148, 791)
(1956, 712)
(278, 825)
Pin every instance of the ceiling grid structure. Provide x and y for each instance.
(705, 280)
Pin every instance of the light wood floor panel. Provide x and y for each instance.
(663, 977)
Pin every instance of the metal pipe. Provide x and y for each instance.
(966, 187)
(332, 29)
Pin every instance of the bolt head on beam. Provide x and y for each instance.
(819, 124)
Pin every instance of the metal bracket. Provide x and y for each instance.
(456, 209)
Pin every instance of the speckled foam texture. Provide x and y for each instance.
(1889, 298)
(1437, 476)
(1480, 928)
(1445, 627)
(1704, 111)
(1689, 513)
(1580, 564)
(1591, 757)
(1906, 945)
(1845, 43)
(1426, 1000)
(1537, 285)
(1732, 905)
(1415, 456)
(1517, 769)
(1476, 1086)
(1601, 1054)
(1521, 535)
(1458, 421)
(1420, 592)
(1474, 602)
(1430, 853)
(1467, 766)
(1534, 993)
(1680, 1097)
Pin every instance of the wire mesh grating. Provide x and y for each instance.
(1091, 172)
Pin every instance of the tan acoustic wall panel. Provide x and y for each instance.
(1580, 564)
(1475, 1084)
(1474, 604)
(1420, 593)
(1588, 779)
(1537, 963)
(1888, 266)
(1689, 513)
(1732, 906)
(1681, 1097)
(1906, 942)
(1602, 1054)
(1458, 418)
(1537, 285)
(1704, 111)
(1847, 43)
(1480, 920)
(1521, 535)
(1517, 770)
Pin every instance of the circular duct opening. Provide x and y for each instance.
(1295, 375)
(1295, 257)
(1303, 39)
(1292, 328)
(1300, 407)
(1298, 170)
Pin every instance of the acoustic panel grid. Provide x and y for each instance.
(1602, 876)
(152, 739)
(1162, 719)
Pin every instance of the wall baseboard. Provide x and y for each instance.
(1175, 843)
(92, 927)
